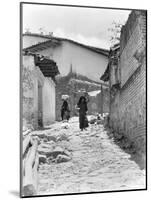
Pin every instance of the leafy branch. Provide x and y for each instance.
(115, 32)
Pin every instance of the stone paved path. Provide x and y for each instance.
(97, 164)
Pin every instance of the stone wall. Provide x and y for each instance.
(128, 107)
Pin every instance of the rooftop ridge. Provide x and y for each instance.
(50, 38)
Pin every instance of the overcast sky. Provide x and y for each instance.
(85, 25)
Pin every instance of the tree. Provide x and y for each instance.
(115, 32)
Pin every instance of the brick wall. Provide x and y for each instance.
(128, 107)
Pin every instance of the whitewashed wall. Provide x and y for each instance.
(84, 61)
(49, 103)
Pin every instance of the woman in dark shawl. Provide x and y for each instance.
(65, 111)
(82, 106)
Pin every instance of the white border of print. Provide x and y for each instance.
(9, 101)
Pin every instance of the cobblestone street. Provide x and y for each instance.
(96, 164)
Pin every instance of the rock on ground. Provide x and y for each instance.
(94, 163)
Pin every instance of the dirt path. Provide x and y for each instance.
(97, 164)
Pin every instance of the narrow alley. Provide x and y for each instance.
(83, 101)
(89, 161)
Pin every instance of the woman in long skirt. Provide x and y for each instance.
(65, 112)
(82, 106)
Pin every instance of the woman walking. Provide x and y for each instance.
(65, 112)
(82, 107)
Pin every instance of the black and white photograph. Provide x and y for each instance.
(82, 99)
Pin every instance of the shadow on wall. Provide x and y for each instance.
(137, 155)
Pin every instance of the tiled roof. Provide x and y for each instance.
(56, 41)
(47, 66)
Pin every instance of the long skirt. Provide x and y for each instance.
(62, 114)
(65, 114)
(83, 123)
